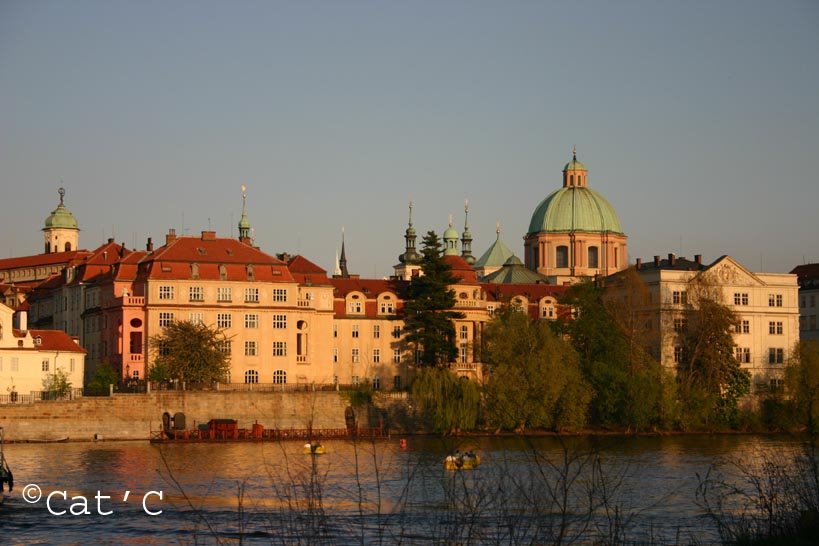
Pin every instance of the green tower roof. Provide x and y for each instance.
(61, 217)
(495, 256)
(575, 209)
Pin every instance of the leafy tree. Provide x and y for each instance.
(191, 351)
(444, 401)
(710, 379)
(802, 381)
(428, 311)
(535, 378)
(58, 383)
(103, 376)
(630, 388)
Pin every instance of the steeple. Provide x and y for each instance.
(244, 224)
(410, 255)
(450, 240)
(574, 173)
(61, 232)
(342, 262)
(466, 238)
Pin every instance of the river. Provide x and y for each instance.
(369, 492)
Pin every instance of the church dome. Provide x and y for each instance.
(575, 209)
(61, 217)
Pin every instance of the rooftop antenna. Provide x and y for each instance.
(209, 228)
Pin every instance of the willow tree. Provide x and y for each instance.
(445, 402)
(190, 351)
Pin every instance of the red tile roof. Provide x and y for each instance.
(305, 271)
(371, 288)
(504, 292)
(53, 258)
(461, 270)
(56, 340)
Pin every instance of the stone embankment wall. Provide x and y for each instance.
(134, 416)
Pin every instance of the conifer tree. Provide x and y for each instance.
(428, 311)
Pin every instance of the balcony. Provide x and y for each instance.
(304, 303)
(301, 359)
(133, 300)
(136, 358)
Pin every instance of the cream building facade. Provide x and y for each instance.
(766, 305)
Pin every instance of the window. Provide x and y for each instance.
(197, 318)
(396, 356)
(376, 383)
(680, 297)
(490, 310)
(280, 377)
(354, 307)
(166, 292)
(135, 375)
(548, 312)
(463, 352)
(680, 324)
(224, 347)
(387, 308)
(777, 385)
(224, 294)
(396, 382)
(376, 331)
(251, 320)
(251, 376)
(355, 355)
(744, 327)
(165, 319)
(45, 364)
(464, 333)
(776, 355)
(355, 380)
(279, 348)
(335, 354)
(71, 365)
(224, 320)
(279, 322)
(15, 364)
(355, 330)
(279, 294)
(250, 348)
(335, 330)
(251, 295)
(743, 355)
(775, 328)
(562, 256)
(396, 331)
(593, 257)
(774, 300)
(196, 293)
(678, 354)
(740, 298)
(376, 356)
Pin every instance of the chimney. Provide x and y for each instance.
(671, 258)
(150, 246)
(698, 259)
(171, 236)
(122, 250)
(208, 235)
(639, 264)
(110, 240)
(656, 261)
(22, 320)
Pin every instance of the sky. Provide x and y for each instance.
(697, 120)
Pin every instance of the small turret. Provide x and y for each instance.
(450, 240)
(244, 223)
(466, 238)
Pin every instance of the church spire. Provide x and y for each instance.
(410, 255)
(244, 223)
(466, 238)
(342, 261)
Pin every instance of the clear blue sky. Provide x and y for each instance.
(698, 120)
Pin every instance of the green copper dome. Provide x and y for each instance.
(61, 217)
(575, 165)
(575, 209)
(450, 233)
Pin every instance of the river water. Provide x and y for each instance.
(532, 491)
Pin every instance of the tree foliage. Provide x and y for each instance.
(535, 379)
(802, 381)
(428, 311)
(445, 402)
(190, 351)
(103, 376)
(630, 388)
(57, 383)
(710, 379)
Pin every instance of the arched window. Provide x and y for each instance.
(251, 376)
(280, 377)
(68, 247)
(562, 256)
(593, 257)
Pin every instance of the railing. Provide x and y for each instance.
(301, 359)
(133, 300)
(39, 396)
(136, 358)
(304, 303)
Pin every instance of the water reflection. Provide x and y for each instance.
(371, 491)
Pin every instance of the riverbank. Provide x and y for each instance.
(135, 416)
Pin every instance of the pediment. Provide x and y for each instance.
(730, 272)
